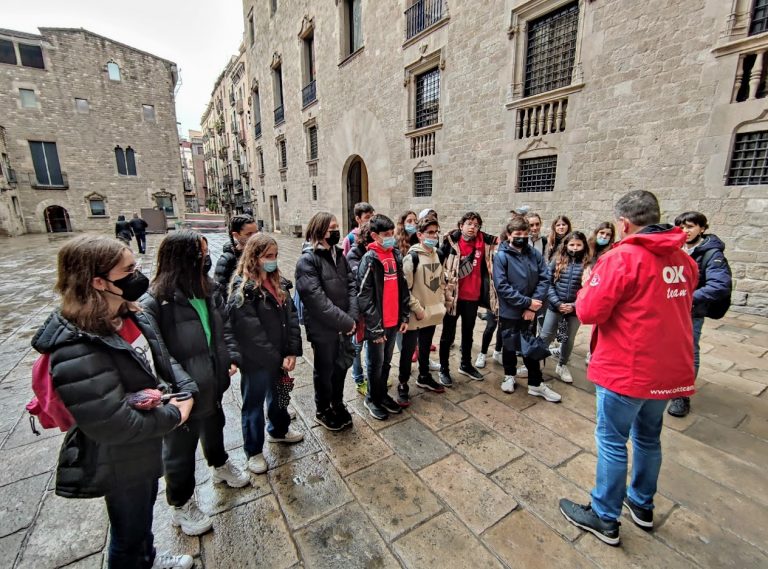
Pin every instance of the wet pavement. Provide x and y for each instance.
(470, 478)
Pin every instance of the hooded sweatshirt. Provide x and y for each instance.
(426, 285)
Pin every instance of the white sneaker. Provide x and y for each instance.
(522, 371)
(257, 464)
(508, 385)
(480, 361)
(230, 473)
(190, 519)
(498, 357)
(555, 352)
(291, 413)
(290, 436)
(564, 373)
(545, 392)
(168, 561)
(434, 366)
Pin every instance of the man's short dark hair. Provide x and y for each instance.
(640, 208)
(380, 223)
(363, 207)
(427, 222)
(695, 217)
(517, 223)
(469, 216)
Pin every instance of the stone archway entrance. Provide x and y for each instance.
(57, 219)
(356, 189)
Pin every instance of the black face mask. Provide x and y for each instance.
(578, 255)
(334, 237)
(132, 286)
(207, 264)
(519, 242)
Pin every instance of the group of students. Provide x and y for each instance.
(116, 335)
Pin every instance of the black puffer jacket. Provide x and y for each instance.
(225, 268)
(265, 332)
(112, 445)
(123, 230)
(715, 280)
(370, 299)
(183, 334)
(328, 291)
(354, 257)
(564, 289)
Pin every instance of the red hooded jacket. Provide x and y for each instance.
(639, 299)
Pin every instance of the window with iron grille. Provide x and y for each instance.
(759, 22)
(285, 194)
(312, 133)
(422, 184)
(314, 192)
(537, 174)
(551, 50)
(283, 155)
(427, 98)
(749, 161)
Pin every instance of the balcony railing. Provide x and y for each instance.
(239, 107)
(750, 83)
(227, 181)
(35, 183)
(422, 15)
(223, 154)
(309, 93)
(236, 155)
(279, 115)
(541, 118)
(423, 145)
(235, 126)
(242, 139)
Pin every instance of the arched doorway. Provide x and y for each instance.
(57, 219)
(357, 189)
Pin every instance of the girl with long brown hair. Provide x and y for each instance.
(102, 348)
(561, 226)
(268, 341)
(405, 231)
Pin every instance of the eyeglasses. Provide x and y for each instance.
(470, 224)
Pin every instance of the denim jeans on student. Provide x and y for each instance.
(698, 323)
(357, 363)
(379, 363)
(256, 386)
(551, 323)
(618, 418)
(131, 543)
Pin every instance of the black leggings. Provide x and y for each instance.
(467, 311)
(491, 326)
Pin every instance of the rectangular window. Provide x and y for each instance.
(422, 14)
(283, 154)
(16, 206)
(355, 18)
(749, 161)
(422, 184)
(165, 203)
(759, 21)
(273, 6)
(427, 98)
(31, 56)
(277, 86)
(7, 52)
(314, 192)
(285, 194)
(148, 112)
(309, 90)
(537, 174)
(82, 106)
(45, 159)
(551, 50)
(312, 134)
(251, 30)
(97, 207)
(28, 98)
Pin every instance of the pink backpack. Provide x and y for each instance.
(46, 404)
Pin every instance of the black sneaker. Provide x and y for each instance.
(470, 371)
(426, 382)
(445, 378)
(679, 406)
(403, 398)
(329, 420)
(376, 411)
(391, 405)
(586, 519)
(642, 517)
(343, 418)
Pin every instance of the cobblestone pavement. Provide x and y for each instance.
(470, 478)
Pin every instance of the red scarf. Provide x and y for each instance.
(391, 310)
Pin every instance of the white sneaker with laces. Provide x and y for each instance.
(191, 519)
(508, 385)
(522, 372)
(168, 561)
(290, 436)
(230, 473)
(257, 464)
(498, 357)
(433, 365)
(480, 361)
(545, 392)
(564, 373)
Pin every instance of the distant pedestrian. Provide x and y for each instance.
(139, 227)
(123, 230)
(363, 212)
(638, 300)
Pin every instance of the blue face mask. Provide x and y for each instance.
(602, 241)
(410, 229)
(269, 266)
(431, 243)
(388, 242)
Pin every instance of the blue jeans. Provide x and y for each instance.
(618, 418)
(698, 324)
(379, 363)
(357, 363)
(131, 543)
(549, 331)
(256, 386)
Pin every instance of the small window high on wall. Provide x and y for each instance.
(126, 161)
(113, 70)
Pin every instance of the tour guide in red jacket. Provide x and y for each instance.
(638, 299)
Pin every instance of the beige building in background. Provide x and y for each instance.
(90, 131)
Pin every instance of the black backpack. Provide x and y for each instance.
(717, 308)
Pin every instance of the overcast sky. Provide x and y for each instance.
(198, 35)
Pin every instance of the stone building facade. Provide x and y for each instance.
(559, 105)
(90, 128)
(198, 169)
